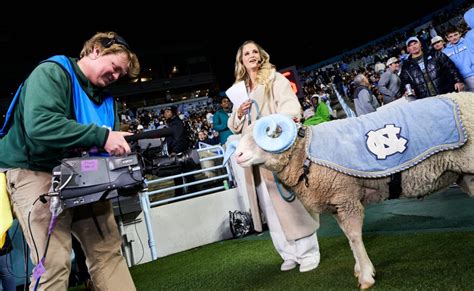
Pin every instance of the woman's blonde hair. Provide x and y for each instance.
(265, 69)
(111, 43)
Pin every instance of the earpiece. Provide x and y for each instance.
(108, 42)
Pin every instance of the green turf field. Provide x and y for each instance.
(414, 245)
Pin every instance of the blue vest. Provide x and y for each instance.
(86, 111)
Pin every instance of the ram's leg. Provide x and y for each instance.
(466, 182)
(350, 219)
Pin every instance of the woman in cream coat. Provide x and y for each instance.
(292, 229)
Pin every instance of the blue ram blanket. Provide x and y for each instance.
(387, 141)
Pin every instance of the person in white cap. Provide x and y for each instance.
(429, 74)
(437, 43)
(389, 84)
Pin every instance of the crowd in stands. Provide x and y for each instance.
(381, 64)
(140, 120)
(367, 78)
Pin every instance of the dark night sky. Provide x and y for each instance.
(293, 35)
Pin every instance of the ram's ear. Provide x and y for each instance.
(275, 133)
(230, 150)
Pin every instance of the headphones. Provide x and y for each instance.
(108, 42)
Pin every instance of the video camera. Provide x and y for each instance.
(88, 179)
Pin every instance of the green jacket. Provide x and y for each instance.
(322, 115)
(43, 129)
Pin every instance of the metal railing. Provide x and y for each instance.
(349, 112)
(146, 197)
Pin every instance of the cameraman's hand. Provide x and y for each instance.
(116, 144)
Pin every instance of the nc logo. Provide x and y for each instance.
(385, 141)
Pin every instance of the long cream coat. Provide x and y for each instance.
(294, 219)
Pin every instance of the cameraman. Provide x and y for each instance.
(63, 106)
(177, 143)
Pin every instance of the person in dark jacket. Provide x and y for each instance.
(429, 74)
(178, 141)
(62, 106)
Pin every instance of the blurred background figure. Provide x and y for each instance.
(462, 56)
(220, 120)
(364, 99)
(438, 43)
(389, 84)
(322, 111)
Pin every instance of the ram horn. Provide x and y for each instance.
(230, 150)
(275, 133)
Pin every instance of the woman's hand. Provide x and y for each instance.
(244, 107)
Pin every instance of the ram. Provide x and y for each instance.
(341, 165)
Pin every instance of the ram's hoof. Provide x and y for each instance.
(366, 285)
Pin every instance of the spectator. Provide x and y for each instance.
(322, 114)
(202, 138)
(437, 43)
(429, 74)
(379, 68)
(389, 84)
(220, 120)
(214, 138)
(364, 100)
(462, 56)
(469, 39)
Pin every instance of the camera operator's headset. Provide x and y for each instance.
(108, 42)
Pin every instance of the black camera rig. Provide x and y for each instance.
(88, 179)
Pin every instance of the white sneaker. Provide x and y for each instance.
(288, 265)
(308, 265)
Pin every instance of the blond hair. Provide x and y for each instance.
(265, 69)
(111, 43)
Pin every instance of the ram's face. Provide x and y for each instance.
(263, 141)
(248, 153)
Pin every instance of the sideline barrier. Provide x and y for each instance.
(146, 198)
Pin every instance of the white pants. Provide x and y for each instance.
(306, 248)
